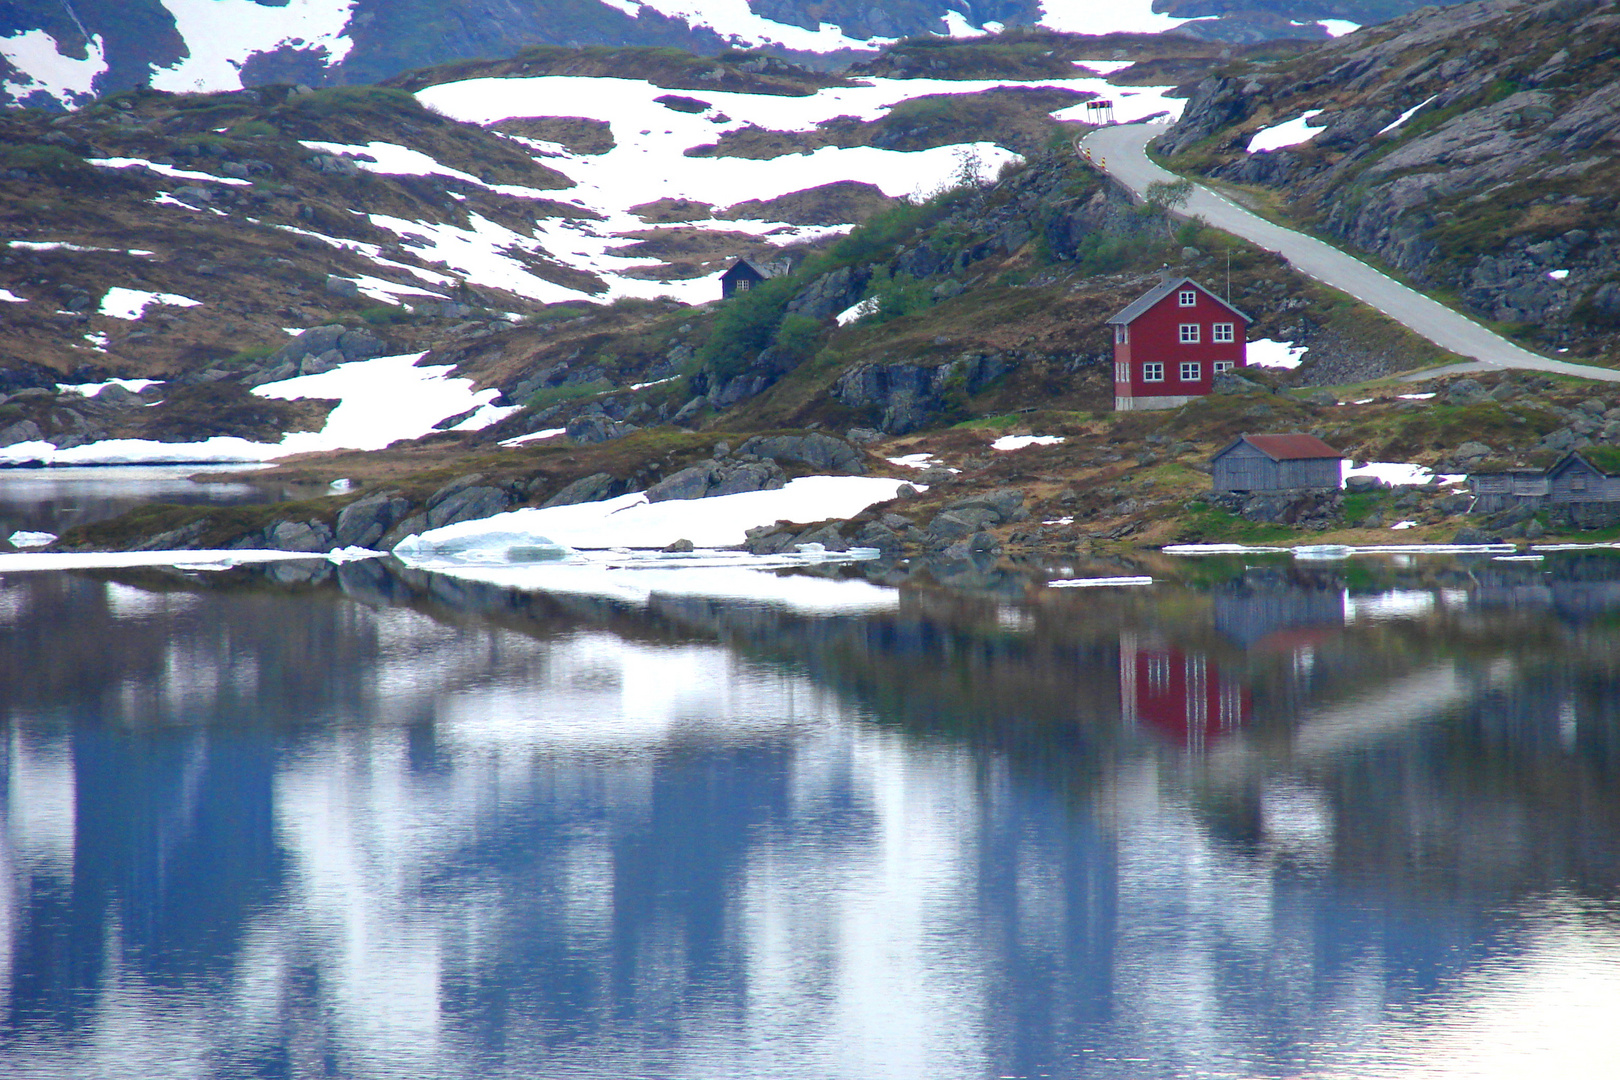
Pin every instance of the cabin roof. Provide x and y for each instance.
(759, 266)
(1138, 307)
(1293, 447)
(1602, 459)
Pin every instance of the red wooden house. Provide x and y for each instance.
(1171, 343)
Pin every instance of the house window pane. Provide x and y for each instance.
(1189, 333)
(1153, 373)
(1190, 372)
(1222, 365)
(1223, 332)
(1188, 298)
(1122, 373)
(1121, 334)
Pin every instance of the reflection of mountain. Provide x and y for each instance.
(281, 831)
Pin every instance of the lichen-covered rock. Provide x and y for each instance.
(592, 488)
(818, 450)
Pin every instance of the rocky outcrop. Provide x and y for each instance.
(902, 397)
(1463, 145)
(1304, 509)
(821, 452)
(318, 349)
(718, 478)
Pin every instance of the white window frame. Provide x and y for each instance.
(1191, 371)
(1187, 298)
(1122, 372)
(1223, 365)
(1223, 333)
(1122, 334)
(1189, 333)
(1153, 372)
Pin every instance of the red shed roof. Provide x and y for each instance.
(1138, 307)
(1287, 447)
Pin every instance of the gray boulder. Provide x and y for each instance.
(1230, 382)
(592, 488)
(717, 478)
(467, 504)
(365, 521)
(1464, 392)
(20, 432)
(342, 286)
(593, 428)
(817, 450)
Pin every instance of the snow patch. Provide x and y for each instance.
(630, 521)
(1274, 354)
(1018, 442)
(1558, 275)
(9, 297)
(130, 304)
(206, 559)
(167, 170)
(1338, 27)
(221, 35)
(1288, 133)
(1405, 116)
(1091, 17)
(91, 389)
(1397, 473)
(41, 65)
(535, 436)
(1097, 582)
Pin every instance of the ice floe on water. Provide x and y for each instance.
(612, 548)
(1098, 582)
(206, 559)
(631, 522)
(22, 538)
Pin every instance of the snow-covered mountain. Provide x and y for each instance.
(57, 52)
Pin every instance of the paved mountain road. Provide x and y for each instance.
(1122, 150)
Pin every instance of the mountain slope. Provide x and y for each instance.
(54, 53)
(1473, 148)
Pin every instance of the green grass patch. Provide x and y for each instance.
(1203, 523)
(556, 395)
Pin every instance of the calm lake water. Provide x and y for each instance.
(1269, 820)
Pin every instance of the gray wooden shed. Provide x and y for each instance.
(1276, 463)
(1498, 486)
(1586, 476)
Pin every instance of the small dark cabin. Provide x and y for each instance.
(1276, 463)
(745, 274)
(1586, 476)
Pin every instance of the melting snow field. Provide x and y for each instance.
(630, 521)
(379, 402)
(648, 162)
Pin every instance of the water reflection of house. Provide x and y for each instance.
(1281, 618)
(1180, 694)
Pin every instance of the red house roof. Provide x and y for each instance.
(1139, 307)
(1286, 447)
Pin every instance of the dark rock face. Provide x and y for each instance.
(365, 521)
(318, 349)
(596, 428)
(817, 450)
(907, 396)
(592, 488)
